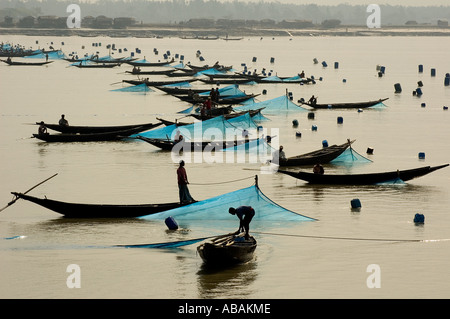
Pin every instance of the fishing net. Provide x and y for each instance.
(211, 71)
(216, 208)
(273, 106)
(140, 88)
(350, 157)
(179, 85)
(217, 128)
(228, 91)
(54, 55)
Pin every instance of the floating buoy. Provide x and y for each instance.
(420, 83)
(420, 68)
(355, 203)
(419, 218)
(344, 80)
(272, 60)
(336, 65)
(311, 115)
(369, 150)
(340, 120)
(383, 69)
(419, 92)
(421, 155)
(447, 79)
(324, 143)
(171, 223)
(380, 74)
(314, 128)
(295, 123)
(423, 105)
(264, 92)
(398, 87)
(360, 110)
(254, 59)
(445, 108)
(324, 64)
(298, 134)
(433, 72)
(315, 61)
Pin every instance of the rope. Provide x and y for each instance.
(236, 180)
(344, 238)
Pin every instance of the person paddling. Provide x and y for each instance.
(245, 215)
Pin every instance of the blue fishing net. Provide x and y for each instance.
(350, 157)
(55, 55)
(228, 91)
(216, 208)
(273, 106)
(184, 84)
(140, 88)
(218, 127)
(211, 71)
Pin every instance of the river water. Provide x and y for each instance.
(330, 263)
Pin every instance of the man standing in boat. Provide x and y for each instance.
(185, 196)
(245, 215)
(63, 121)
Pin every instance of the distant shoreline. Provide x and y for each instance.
(167, 31)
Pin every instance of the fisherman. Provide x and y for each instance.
(279, 156)
(312, 100)
(63, 121)
(245, 215)
(302, 75)
(318, 169)
(42, 130)
(207, 104)
(185, 196)
(217, 95)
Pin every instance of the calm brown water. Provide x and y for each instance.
(133, 172)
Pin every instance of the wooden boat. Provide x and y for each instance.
(76, 210)
(207, 67)
(96, 65)
(158, 72)
(137, 63)
(98, 129)
(357, 105)
(89, 137)
(225, 81)
(192, 146)
(26, 63)
(234, 249)
(177, 123)
(363, 179)
(155, 83)
(322, 156)
(222, 100)
(226, 115)
(181, 90)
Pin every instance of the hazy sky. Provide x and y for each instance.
(360, 2)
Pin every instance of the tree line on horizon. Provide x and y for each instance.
(179, 11)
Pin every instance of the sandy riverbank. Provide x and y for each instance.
(167, 31)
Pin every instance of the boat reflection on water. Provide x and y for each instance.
(233, 281)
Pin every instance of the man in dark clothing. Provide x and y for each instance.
(245, 215)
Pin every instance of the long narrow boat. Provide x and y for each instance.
(139, 63)
(96, 65)
(26, 63)
(158, 72)
(322, 156)
(73, 129)
(353, 105)
(181, 90)
(193, 146)
(156, 83)
(90, 137)
(234, 249)
(363, 179)
(222, 100)
(77, 210)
